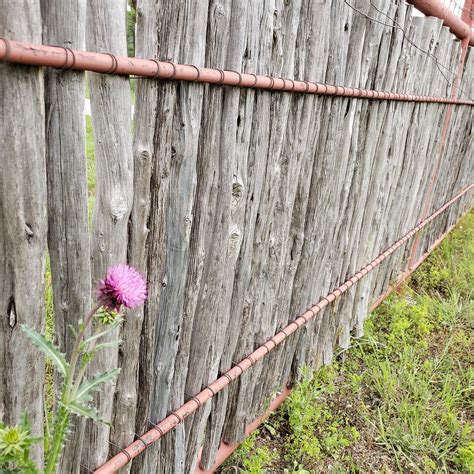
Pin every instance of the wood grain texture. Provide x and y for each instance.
(242, 207)
(244, 191)
(148, 110)
(180, 34)
(112, 128)
(68, 231)
(23, 223)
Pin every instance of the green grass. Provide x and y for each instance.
(49, 333)
(400, 400)
(91, 178)
(254, 459)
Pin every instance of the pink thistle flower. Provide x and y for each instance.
(123, 285)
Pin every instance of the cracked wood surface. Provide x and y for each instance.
(68, 230)
(112, 128)
(23, 223)
(242, 207)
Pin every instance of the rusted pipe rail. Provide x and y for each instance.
(225, 450)
(197, 401)
(456, 25)
(106, 63)
(444, 133)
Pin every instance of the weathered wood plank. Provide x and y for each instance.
(181, 37)
(150, 109)
(287, 165)
(242, 299)
(245, 190)
(23, 223)
(211, 271)
(68, 232)
(112, 128)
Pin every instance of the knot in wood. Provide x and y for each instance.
(237, 192)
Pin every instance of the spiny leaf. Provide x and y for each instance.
(83, 410)
(86, 399)
(92, 384)
(48, 348)
(104, 345)
(86, 411)
(103, 333)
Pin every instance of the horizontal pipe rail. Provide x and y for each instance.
(106, 63)
(225, 450)
(456, 25)
(403, 277)
(197, 401)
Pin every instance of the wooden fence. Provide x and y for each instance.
(242, 207)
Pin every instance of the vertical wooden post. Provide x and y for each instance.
(112, 127)
(165, 149)
(148, 112)
(68, 231)
(23, 223)
(242, 150)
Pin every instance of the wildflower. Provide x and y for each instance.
(123, 285)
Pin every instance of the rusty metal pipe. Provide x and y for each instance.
(196, 402)
(406, 274)
(225, 450)
(444, 132)
(466, 14)
(106, 63)
(456, 25)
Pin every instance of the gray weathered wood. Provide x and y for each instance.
(68, 236)
(209, 296)
(147, 111)
(23, 223)
(112, 127)
(248, 206)
(245, 189)
(181, 34)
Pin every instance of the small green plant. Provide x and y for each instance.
(465, 457)
(15, 444)
(313, 430)
(304, 413)
(297, 468)
(122, 287)
(258, 459)
(252, 458)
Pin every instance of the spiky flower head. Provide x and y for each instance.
(14, 440)
(123, 286)
(106, 316)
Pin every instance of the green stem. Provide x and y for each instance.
(61, 425)
(82, 370)
(76, 349)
